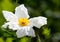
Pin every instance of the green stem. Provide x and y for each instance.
(16, 2)
(38, 38)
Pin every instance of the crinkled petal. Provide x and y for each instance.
(31, 32)
(21, 33)
(14, 26)
(21, 11)
(9, 16)
(25, 31)
(5, 25)
(11, 25)
(38, 21)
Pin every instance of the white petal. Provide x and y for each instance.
(5, 25)
(21, 33)
(31, 32)
(21, 11)
(25, 31)
(14, 26)
(9, 16)
(38, 21)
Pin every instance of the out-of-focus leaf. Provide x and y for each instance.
(6, 35)
(57, 2)
(25, 39)
(46, 32)
(9, 40)
(50, 13)
(56, 37)
(1, 39)
(7, 5)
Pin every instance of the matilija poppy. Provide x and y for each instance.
(22, 22)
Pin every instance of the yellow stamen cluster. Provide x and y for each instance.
(23, 21)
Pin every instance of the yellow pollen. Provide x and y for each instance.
(23, 21)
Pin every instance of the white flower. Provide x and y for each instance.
(20, 21)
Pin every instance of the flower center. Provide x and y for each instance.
(23, 21)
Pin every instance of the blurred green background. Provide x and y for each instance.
(46, 8)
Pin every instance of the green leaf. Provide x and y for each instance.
(46, 32)
(9, 40)
(25, 39)
(1, 39)
(7, 5)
